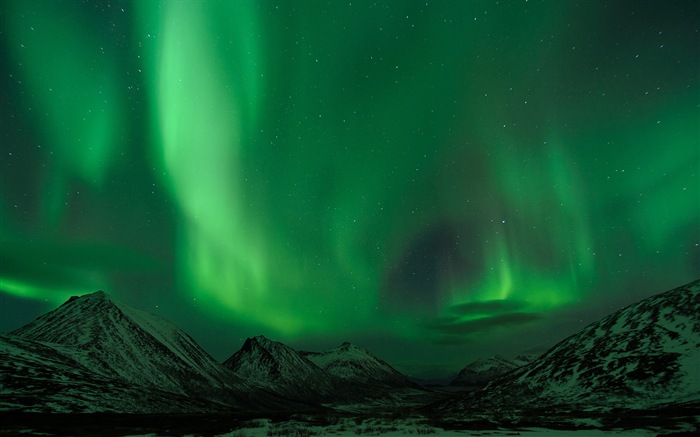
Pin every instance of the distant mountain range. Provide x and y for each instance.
(99, 339)
(95, 354)
(485, 370)
(646, 355)
(280, 368)
(358, 366)
(346, 374)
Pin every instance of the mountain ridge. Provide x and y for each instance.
(481, 371)
(275, 365)
(138, 355)
(352, 363)
(41, 379)
(641, 356)
(118, 342)
(94, 354)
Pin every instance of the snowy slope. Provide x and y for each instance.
(115, 340)
(281, 369)
(482, 371)
(521, 360)
(644, 355)
(38, 378)
(357, 365)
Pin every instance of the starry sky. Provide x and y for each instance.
(436, 181)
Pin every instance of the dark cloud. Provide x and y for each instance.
(419, 276)
(452, 330)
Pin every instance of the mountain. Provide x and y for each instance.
(115, 341)
(281, 369)
(39, 378)
(487, 369)
(521, 360)
(346, 378)
(353, 364)
(643, 356)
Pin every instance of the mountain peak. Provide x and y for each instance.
(352, 363)
(274, 365)
(117, 341)
(99, 294)
(95, 301)
(258, 341)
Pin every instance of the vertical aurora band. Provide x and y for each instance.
(372, 167)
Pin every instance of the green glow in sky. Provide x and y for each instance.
(456, 175)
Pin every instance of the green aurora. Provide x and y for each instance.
(437, 181)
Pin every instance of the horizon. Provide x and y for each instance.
(440, 377)
(435, 182)
(445, 377)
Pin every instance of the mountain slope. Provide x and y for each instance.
(642, 356)
(38, 378)
(281, 369)
(353, 364)
(487, 369)
(117, 341)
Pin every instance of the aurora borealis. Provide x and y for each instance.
(437, 181)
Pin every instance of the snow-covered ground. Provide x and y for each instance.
(403, 431)
(531, 432)
(346, 427)
(526, 432)
(331, 424)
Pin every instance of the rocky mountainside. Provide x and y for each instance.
(283, 370)
(94, 353)
(356, 365)
(38, 378)
(521, 360)
(117, 342)
(487, 369)
(643, 356)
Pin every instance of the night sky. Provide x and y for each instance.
(434, 181)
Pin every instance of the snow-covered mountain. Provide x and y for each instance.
(642, 356)
(356, 365)
(117, 341)
(101, 355)
(487, 369)
(39, 378)
(521, 360)
(281, 369)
